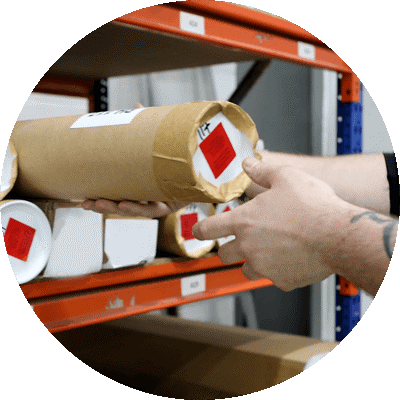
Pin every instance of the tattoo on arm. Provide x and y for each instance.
(387, 232)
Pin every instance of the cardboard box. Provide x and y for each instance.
(176, 358)
(9, 172)
(191, 152)
(175, 231)
(129, 241)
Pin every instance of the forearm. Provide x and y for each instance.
(359, 246)
(358, 179)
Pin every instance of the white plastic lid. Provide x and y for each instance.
(222, 149)
(27, 235)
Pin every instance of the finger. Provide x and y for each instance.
(229, 254)
(149, 210)
(87, 205)
(260, 172)
(105, 206)
(249, 273)
(138, 105)
(100, 206)
(214, 227)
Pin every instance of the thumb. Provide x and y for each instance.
(259, 172)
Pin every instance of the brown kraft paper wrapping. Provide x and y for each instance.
(171, 239)
(149, 158)
(10, 170)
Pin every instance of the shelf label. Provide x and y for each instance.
(193, 284)
(192, 23)
(106, 118)
(306, 50)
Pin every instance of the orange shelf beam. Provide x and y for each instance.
(127, 275)
(243, 15)
(260, 42)
(67, 312)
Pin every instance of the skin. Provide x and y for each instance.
(297, 231)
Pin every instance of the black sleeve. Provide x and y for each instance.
(393, 178)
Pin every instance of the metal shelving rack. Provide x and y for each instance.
(169, 36)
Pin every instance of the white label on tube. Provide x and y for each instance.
(193, 284)
(106, 118)
(192, 23)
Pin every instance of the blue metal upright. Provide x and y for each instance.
(349, 125)
(347, 308)
(349, 141)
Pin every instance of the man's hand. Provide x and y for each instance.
(148, 209)
(281, 233)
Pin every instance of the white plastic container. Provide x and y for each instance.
(77, 243)
(27, 236)
(129, 241)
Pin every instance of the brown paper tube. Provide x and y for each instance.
(175, 231)
(136, 155)
(9, 172)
